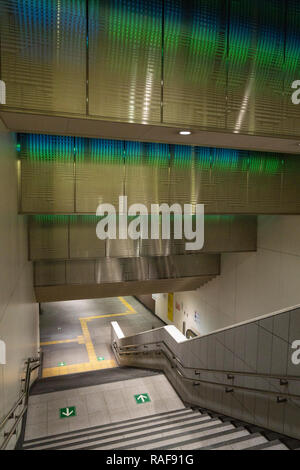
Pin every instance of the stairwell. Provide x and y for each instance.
(182, 429)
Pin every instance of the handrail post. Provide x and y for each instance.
(24, 396)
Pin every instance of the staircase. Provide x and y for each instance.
(182, 429)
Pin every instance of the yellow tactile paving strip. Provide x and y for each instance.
(86, 339)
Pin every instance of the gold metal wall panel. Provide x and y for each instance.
(49, 238)
(155, 247)
(49, 273)
(96, 291)
(47, 174)
(43, 55)
(182, 175)
(84, 242)
(291, 113)
(122, 248)
(256, 66)
(108, 270)
(146, 173)
(183, 266)
(99, 173)
(290, 184)
(265, 183)
(117, 270)
(125, 43)
(203, 189)
(228, 181)
(80, 272)
(194, 91)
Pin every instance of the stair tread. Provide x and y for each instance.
(114, 425)
(126, 433)
(245, 438)
(269, 445)
(180, 439)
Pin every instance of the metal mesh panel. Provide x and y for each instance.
(146, 173)
(290, 184)
(43, 51)
(47, 273)
(225, 181)
(99, 173)
(194, 66)
(49, 237)
(83, 239)
(256, 65)
(125, 40)
(47, 174)
(80, 272)
(291, 112)
(264, 183)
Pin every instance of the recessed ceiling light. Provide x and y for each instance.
(184, 132)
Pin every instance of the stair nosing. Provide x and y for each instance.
(266, 445)
(233, 441)
(183, 411)
(123, 429)
(113, 436)
(98, 445)
(203, 438)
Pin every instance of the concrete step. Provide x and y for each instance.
(141, 435)
(183, 429)
(128, 432)
(270, 445)
(181, 438)
(168, 416)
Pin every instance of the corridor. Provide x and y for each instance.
(75, 335)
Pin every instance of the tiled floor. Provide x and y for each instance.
(100, 404)
(75, 335)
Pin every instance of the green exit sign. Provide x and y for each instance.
(67, 412)
(142, 398)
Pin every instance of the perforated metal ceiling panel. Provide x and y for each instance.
(99, 173)
(226, 181)
(106, 270)
(194, 90)
(43, 54)
(125, 42)
(71, 237)
(291, 112)
(47, 174)
(256, 66)
(147, 173)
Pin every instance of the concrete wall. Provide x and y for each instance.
(250, 284)
(255, 354)
(18, 309)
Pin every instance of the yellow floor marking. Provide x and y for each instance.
(94, 317)
(86, 339)
(77, 368)
(79, 340)
(127, 304)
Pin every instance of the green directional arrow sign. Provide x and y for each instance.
(67, 412)
(142, 398)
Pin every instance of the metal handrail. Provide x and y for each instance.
(22, 400)
(228, 372)
(228, 387)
